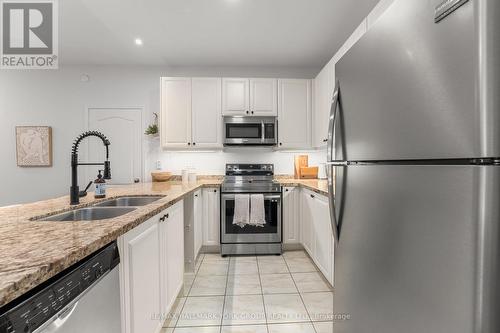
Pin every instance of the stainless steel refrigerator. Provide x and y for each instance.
(414, 154)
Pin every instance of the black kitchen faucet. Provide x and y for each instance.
(74, 190)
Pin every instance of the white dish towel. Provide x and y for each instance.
(257, 214)
(241, 210)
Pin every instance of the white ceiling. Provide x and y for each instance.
(298, 33)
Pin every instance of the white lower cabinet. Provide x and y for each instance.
(151, 269)
(198, 221)
(316, 233)
(306, 222)
(211, 217)
(193, 235)
(173, 255)
(322, 235)
(291, 218)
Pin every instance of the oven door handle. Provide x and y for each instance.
(266, 196)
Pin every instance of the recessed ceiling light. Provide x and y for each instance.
(138, 41)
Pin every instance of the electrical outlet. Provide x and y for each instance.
(158, 165)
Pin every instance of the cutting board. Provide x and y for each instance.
(301, 161)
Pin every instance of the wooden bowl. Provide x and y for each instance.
(161, 176)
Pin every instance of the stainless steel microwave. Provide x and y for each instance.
(250, 131)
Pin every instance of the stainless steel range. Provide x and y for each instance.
(249, 239)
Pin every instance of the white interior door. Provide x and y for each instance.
(123, 128)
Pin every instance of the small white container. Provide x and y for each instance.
(192, 177)
(185, 176)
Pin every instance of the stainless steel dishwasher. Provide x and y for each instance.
(83, 298)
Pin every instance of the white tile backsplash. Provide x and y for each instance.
(213, 163)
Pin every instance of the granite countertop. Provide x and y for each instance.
(34, 251)
(317, 185)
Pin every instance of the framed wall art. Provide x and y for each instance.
(34, 146)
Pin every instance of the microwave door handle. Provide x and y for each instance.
(263, 128)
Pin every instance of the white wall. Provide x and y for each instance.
(59, 99)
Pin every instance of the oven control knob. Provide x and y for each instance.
(264, 167)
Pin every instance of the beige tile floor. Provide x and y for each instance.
(253, 294)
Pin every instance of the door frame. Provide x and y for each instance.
(142, 124)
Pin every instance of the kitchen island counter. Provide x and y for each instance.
(34, 251)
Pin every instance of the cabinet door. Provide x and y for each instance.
(263, 97)
(140, 277)
(211, 216)
(198, 222)
(175, 117)
(235, 96)
(324, 84)
(306, 222)
(323, 236)
(291, 218)
(175, 251)
(294, 118)
(206, 112)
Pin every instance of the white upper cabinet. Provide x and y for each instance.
(294, 116)
(324, 84)
(263, 97)
(249, 97)
(206, 112)
(235, 96)
(175, 112)
(191, 113)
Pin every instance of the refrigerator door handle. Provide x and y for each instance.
(331, 201)
(332, 122)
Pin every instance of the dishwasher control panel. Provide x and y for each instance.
(42, 305)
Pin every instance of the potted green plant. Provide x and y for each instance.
(152, 129)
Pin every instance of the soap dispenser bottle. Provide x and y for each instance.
(100, 187)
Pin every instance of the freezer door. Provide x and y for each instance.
(418, 250)
(415, 89)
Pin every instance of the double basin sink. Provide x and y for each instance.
(105, 209)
